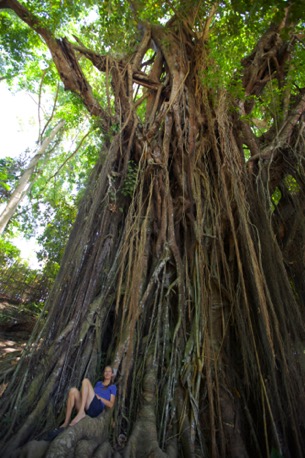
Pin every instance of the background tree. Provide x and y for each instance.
(24, 182)
(183, 268)
(53, 176)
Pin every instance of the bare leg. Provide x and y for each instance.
(86, 396)
(74, 400)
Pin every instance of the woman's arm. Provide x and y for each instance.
(106, 402)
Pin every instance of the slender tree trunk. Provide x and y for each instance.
(24, 183)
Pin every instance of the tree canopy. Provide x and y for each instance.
(185, 266)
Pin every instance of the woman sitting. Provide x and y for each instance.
(91, 401)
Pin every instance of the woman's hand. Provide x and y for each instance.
(107, 403)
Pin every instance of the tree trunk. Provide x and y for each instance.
(24, 183)
(177, 276)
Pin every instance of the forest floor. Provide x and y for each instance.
(16, 325)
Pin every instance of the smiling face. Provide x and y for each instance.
(107, 374)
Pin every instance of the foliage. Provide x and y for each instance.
(26, 286)
(54, 196)
(55, 235)
(17, 45)
(19, 282)
(130, 181)
(61, 170)
(10, 171)
(8, 252)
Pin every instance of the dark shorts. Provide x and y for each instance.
(95, 408)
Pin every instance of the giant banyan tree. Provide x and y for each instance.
(185, 267)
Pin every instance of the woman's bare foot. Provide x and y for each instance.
(78, 418)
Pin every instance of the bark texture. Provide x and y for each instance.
(181, 275)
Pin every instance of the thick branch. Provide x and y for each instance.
(266, 62)
(282, 137)
(104, 62)
(65, 60)
(144, 45)
(175, 59)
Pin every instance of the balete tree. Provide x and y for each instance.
(185, 267)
